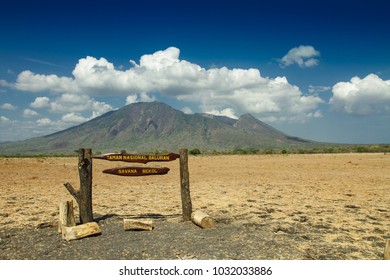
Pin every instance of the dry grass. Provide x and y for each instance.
(339, 199)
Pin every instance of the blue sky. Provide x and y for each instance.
(318, 70)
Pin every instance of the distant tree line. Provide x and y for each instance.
(378, 148)
(383, 148)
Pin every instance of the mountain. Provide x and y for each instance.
(153, 126)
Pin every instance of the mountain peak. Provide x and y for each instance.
(221, 119)
(247, 116)
(250, 123)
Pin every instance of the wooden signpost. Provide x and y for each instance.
(83, 195)
(145, 171)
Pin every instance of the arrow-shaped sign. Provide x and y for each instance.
(137, 158)
(137, 171)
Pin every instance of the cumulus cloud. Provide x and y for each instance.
(28, 113)
(4, 83)
(187, 110)
(45, 122)
(29, 81)
(143, 97)
(4, 119)
(303, 56)
(12, 130)
(367, 96)
(41, 102)
(223, 90)
(8, 106)
(73, 118)
(72, 103)
(228, 112)
(133, 98)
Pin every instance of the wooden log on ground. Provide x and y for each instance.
(387, 250)
(129, 224)
(80, 231)
(203, 220)
(66, 216)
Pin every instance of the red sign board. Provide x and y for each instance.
(137, 158)
(137, 171)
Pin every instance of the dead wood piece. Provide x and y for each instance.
(130, 224)
(66, 216)
(46, 225)
(72, 191)
(203, 220)
(80, 231)
(387, 250)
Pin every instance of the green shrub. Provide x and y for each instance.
(195, 152)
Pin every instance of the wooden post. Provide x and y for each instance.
(66, 217)
(85, 173)
(84, 195)
(387, 250)
(185, 185)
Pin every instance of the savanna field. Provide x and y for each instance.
(320, 206)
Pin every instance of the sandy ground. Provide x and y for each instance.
(337, 201)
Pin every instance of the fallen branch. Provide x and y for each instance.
(72, 191)
(129, 224)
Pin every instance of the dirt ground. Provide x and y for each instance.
(328, 206)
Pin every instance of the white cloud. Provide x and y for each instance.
(45, 122)
(228, 112)
(187, 110)
(8, 106)
(28, 81)
(48, 125)
(163, 72)
(73, 118)
(4, 83)
(143, 97)
(12, 130)
(28, 113)
(304, 56)
(41, 102)
(72, 103)
(367, 96)
(130, 99)
(99, 108)
(318, 89)
(4, 119)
